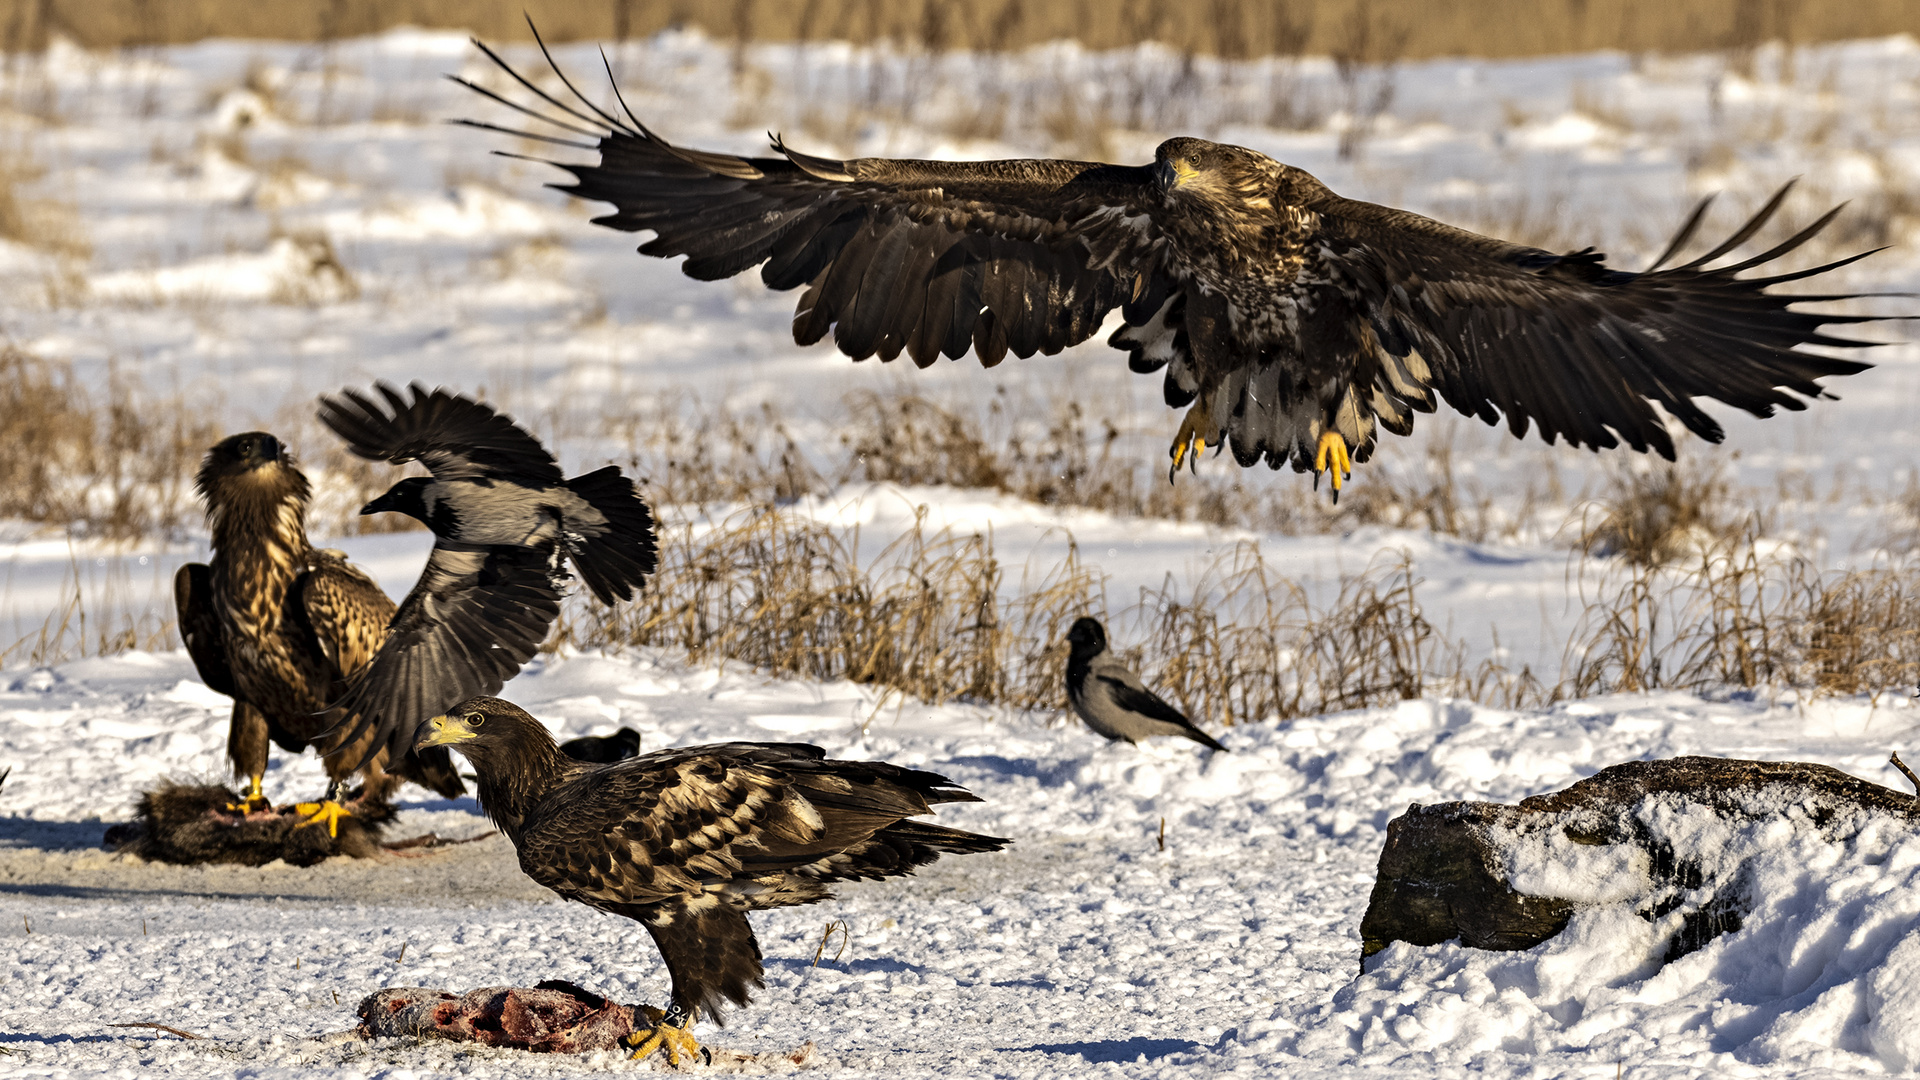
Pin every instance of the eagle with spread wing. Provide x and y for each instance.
(506, 522)
(687, 841)
(1292, 323)
(282, 627)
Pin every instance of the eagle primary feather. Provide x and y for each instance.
(687, 841)
(1290, 322)
(281, 627)
(505, 521)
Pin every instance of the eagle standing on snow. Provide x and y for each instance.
(1291, 322)
(281, 627)
(687, 841)
(505, 522)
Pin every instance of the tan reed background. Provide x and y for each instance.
(1360, 30)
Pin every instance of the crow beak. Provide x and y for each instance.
(443, 731)
(374, 507)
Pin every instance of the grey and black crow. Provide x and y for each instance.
(1112, 699)
(281, 626)
(687, 841)
(505, 522)
(1292, 324)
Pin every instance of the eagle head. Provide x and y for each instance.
(250, 463)
(1229, 176)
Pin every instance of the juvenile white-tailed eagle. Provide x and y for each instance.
(687, 841)
(281, 628)
(505, 522)
(1292, 323)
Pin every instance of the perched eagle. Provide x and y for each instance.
(505, 522)
(1291, 322)
(687, 841)
(281, 627)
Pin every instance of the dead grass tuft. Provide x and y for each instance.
(118, 464)
(1744, 614)
(1653, 514)
(934, 617)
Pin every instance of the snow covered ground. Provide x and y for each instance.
(1235, 948)
(247, 224)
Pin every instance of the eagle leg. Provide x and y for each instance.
(255, 800)
(1332, 451)
(328, 810)
(669, 1033)
(1191, 440)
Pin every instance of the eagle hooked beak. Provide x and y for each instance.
(1170, 174)
(443, 731)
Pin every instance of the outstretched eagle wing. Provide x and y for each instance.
(199, 624)
(1579, 349)
(921, 257)
(454, 437)
(472, 620)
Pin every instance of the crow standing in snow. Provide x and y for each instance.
(281, 627)
(505, 520)
(1112, 699)
(687, 841)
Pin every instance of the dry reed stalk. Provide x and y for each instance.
(118, 467)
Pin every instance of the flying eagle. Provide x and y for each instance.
(281, 627)
(687, 841)
(505, 522)
(1291, 323)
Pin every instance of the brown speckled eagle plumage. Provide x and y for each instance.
(687, 841)
(1291, 323)
(279, 625)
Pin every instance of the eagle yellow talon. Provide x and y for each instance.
(326, 811)
(255, 799)
(662, 1036)
(1190, 442)
(1333, 451)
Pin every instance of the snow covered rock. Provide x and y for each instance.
(1673, 841)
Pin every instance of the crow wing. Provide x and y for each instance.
(1132, 696)
(199, 624)
(455, 438)
(1577, 348)
(472, 620)
(921, 257)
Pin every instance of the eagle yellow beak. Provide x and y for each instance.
(443, 731)
(1174, 172)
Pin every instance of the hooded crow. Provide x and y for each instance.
(1112, 699)
(505, 522)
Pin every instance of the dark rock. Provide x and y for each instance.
(1446, 870)
(189, 824)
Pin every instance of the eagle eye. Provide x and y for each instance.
(475, 719)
